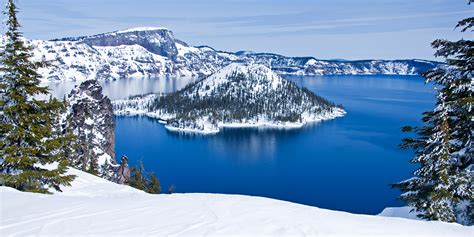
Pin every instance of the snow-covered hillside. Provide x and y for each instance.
(94, 206)
(236, 96)
(154, 51)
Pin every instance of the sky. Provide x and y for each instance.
(325, 29)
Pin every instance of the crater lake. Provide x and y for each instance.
(343, 164)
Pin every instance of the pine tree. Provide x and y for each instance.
(442, 188)
(93, 166)
(431, 191)
(71, 145)
(153, 184)
(138, 177)
(30, 147)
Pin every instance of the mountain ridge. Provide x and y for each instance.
(154, 52)
(158, 28)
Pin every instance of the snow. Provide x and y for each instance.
(209, 129)
(89, 121)
(183, 50)
(261, 76)
(402, 212)
(257, 70)
(140, 29)
(74, 60)
(94, 206)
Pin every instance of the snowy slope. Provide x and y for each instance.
(93, 206)
(154, 51)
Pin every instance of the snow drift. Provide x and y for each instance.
(94, 206)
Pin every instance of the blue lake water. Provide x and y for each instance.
(344, 164)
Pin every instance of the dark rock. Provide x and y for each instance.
(94, 125)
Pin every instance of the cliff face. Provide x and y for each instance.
(159, 41)
(94, 124)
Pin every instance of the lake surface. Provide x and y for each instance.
(344, 164)
(121, 89)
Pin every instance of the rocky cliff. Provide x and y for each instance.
(93, 123)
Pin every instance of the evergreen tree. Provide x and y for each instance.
(107, 171)
(432, 191)
(171, 189)
(29, 145)
(442, 188)
(153, 184)
(91, 157)
(137, 177)
(142, 180)
(71, 146)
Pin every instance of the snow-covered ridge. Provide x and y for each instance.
(94, 206)
(154, 51)
(238, 95)
(136, 29)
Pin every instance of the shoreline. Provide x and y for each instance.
(213, 129)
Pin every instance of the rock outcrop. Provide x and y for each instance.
(159, 41)
(93, 123)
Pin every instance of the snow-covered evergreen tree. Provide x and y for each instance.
(72, 145)
(31, 157)
(442, 188)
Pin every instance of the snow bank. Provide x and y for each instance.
(93, 206)
(402, 212)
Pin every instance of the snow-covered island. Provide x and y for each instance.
(95, 206)
(236, 96)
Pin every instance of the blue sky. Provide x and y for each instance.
(350, 29)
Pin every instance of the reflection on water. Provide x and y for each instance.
(123, 88)
(245, 143)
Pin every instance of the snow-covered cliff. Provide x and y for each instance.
(93, 123)
(152, 51)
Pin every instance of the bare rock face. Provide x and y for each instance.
(94, 124)
(159, 41)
